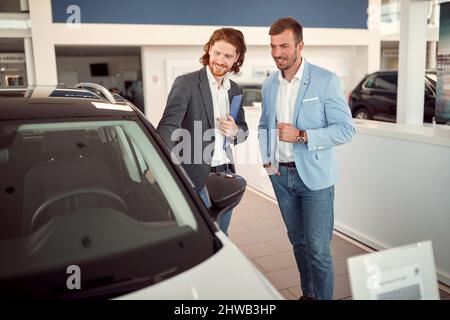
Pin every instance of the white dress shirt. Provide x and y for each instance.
(221, 105)
(287, 95)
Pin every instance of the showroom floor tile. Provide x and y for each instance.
(258, 230)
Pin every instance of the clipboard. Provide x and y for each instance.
(235, 106)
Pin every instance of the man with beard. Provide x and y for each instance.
(199, 105)
(304, 116)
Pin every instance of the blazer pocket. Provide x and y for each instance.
(315, 101)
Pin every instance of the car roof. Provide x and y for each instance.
(430, 75)
(56, 102)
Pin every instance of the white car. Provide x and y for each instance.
(93, 207)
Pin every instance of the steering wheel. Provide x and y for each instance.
(51, 201)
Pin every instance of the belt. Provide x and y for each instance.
(287, 164)
(222, 168)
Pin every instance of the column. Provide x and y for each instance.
(43, 47)
(432, 53)
(29, 61)
(412, 59)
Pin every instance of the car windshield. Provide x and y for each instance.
(79, 192)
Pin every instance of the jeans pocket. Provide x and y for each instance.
(273, 177)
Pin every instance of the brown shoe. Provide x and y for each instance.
(306, 298)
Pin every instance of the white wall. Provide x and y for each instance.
(350, 63)
(71, 70)
(394, 192)
(154, 74)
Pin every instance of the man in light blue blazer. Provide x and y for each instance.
(304, 116)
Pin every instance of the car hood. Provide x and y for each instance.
(227, 275)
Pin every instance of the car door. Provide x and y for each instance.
(379, 93)
(386, 96)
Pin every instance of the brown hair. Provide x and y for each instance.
(232, 36)
(287, 23)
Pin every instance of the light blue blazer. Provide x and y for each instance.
(322, 110)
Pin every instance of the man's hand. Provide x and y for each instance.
(287, 132)
(271, 170)
(227, 126)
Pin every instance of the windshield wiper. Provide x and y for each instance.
(108, 290)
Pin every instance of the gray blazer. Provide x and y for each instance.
(190, 105)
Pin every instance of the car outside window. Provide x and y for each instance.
(251, 96)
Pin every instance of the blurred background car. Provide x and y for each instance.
(252, 95)
(87, 184)
(375, 97)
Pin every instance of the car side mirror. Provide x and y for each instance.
(225, 192)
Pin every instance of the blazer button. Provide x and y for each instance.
(213, 138)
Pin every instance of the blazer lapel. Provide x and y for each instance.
(273, 102)
(232, 92)
(207, 98)
(301, 93)
(272, 113)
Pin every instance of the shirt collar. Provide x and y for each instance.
(298, 75)
(212, 81)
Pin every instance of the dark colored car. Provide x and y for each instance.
(92, 206)
(252, 95)
(375, 97)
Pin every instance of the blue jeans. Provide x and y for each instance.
(224, 219)
(309, 217)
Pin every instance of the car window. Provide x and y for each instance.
(77, 191)
(386, 82)
(370, 82)
(382, 82)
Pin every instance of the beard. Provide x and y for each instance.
(285, 65)
(218, 70)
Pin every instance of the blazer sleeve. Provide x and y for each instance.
(340, 127)
(175, 111)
